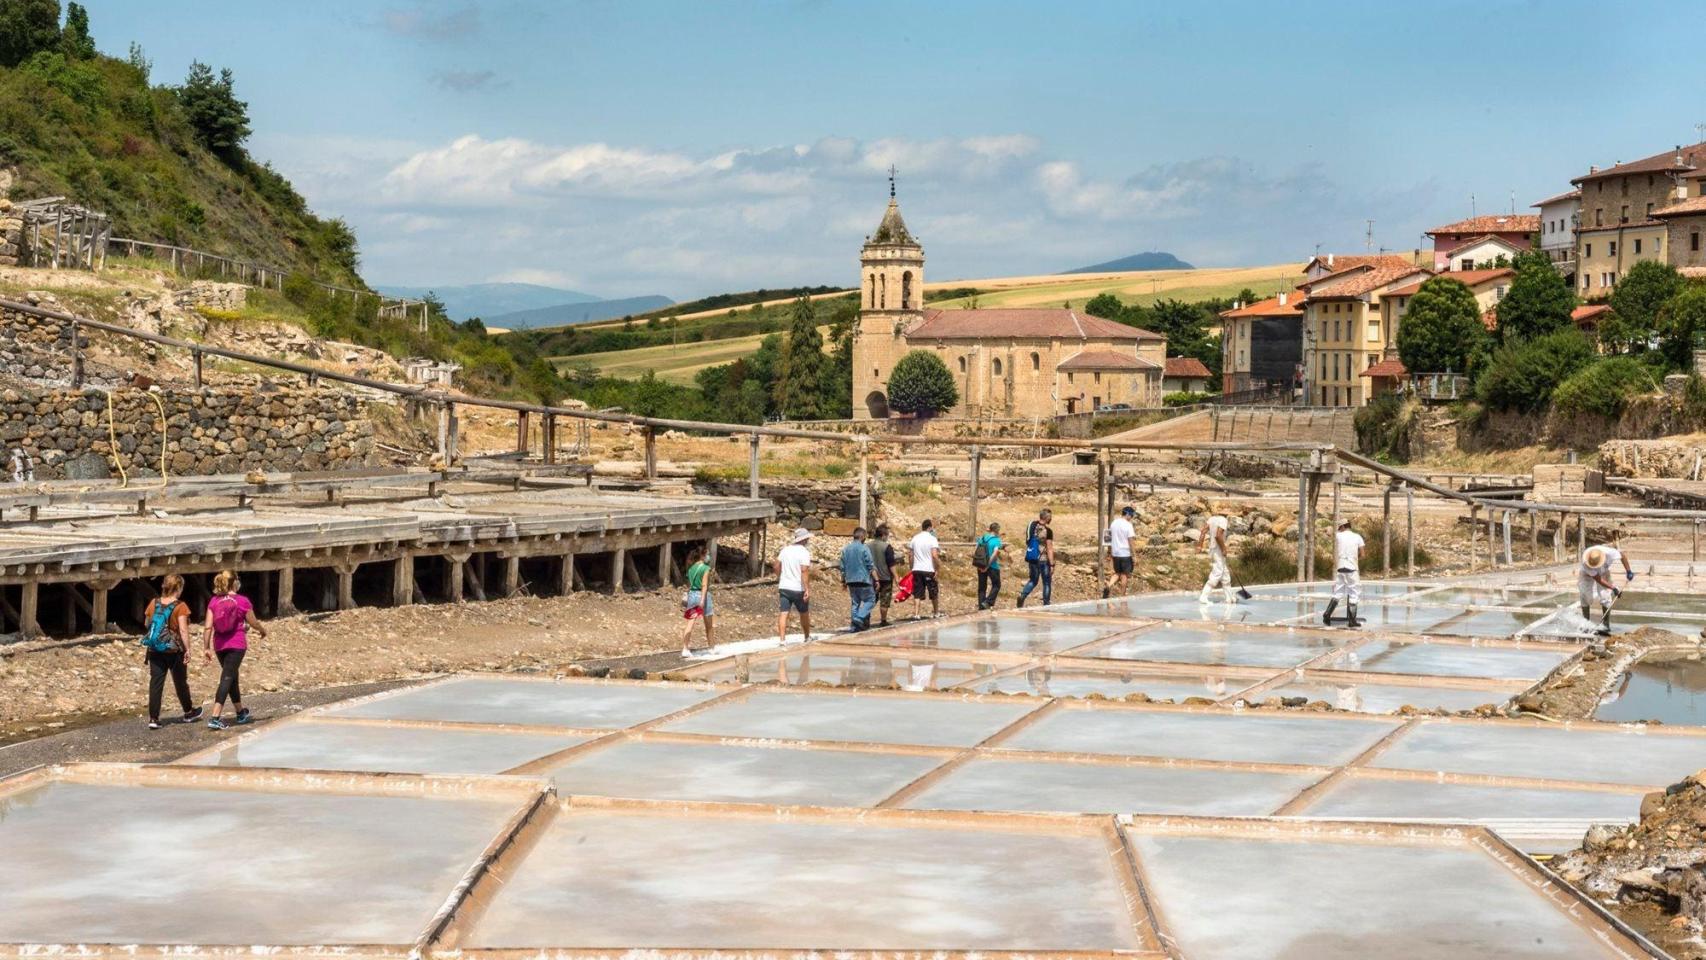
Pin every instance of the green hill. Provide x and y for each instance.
(166, 163)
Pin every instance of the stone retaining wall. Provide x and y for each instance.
(34, 347)
(211, 431)
(799, 503)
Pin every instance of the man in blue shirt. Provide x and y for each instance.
(988, 550)
(859, 574)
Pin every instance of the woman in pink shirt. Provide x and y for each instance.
(226, 633)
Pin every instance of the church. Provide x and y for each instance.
(1011, 363)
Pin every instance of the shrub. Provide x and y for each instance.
(1184, 398)
(1264, 561)
(1635, 303)
(1603, 388)
(1373, 559)
(1381, 426)
(1441, 329)
(1538, 302)
(921, 384)
(1523, 374)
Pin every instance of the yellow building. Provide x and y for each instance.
(1026, 363)
(1619, 225)
(1344, 332)
(1488, 286)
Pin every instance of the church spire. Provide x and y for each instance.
(891, 181)
(893, 230)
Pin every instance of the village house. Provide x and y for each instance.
(1560, 216)
(1684, 221)
(1488, 286)
(1619, 222)
(1262, 343)
(1185, 374)
(1027, 363)
(1516, 230)
(1343, 329)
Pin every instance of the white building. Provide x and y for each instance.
(1559, 218)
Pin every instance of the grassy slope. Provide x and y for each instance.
(671, 364)
(97, 132)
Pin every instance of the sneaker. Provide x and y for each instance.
(153, 724)
(192, 716)
(216, 723)
(243, 717)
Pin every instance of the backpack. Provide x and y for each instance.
(160, 638)
(980, 556)
(227, 616)
(1033, 543)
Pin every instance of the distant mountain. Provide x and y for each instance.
(569, 314)
(486, 300)
(1137, 261)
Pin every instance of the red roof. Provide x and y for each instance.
(1568, 195)
(1026, 323)
(1271, 307)
(1681, 208)
(1386, 368)
(1680, 158)
(1483, 238)
(1186, 367)
(1355, 283)
(1501, 223)
(1469, 278)
(1335, 262)
(1107, 360)
(1590, 311)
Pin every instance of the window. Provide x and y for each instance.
(1694, 240)
(1467, 263)
(906, 290)
(1036, 362)
(874, 374)
(1598, 216)
(1098, 376)
(1373, 331)
(995, 366)
(1499, 292)
(1649, 208)
(1069, 378)
(1588, 252)
(1611, 248)
(873, 301)
(1624, 183)
(883, 292)
(962, 364)
(1370, 362)
(1637, 245)
(1623, 214)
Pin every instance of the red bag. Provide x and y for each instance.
(903, 589)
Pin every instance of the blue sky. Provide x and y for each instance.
(624, 147)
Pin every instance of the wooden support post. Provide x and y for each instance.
(512, 576)
(1101, 523)
(1582, 533)
(1559, 536)
(195, 355)
(864, 488)
(1336, 485)
(284, 600)
(76, 357)
(1410, 530)
(98, 613)
(755, 551)
(444, 434)
(1534, 535)
(633, 570)
(458, 571)
(752, 468)
(521, 432)
(346, 587)
(30, 598)
(549, 439)
(1386, 533)
(666, 565)
(1507, 537)
(474, 574)
(976, 467)
(452, 431)
(566, 575)
(403, 581)
(1474, 536)
(651, 438)
(1302, 525)
(1696, 541)
(618, 565)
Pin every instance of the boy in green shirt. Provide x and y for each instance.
(696, 603)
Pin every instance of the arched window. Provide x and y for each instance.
(962, 364)
(883, 293)
(906, 290)
(995, 366)
(873, 301)
(1036, 362)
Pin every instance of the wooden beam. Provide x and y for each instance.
(29, 601)
(864, 488)
(976, 465)
(566, 575)
(1101, 523)
(666, 565)
(512, 576)
(458, 572)
(98, 620)
(618, 563)
(285, 583)
(403, 581)
(346, 587)
(633, 570)
(651, 441)
(752, 468)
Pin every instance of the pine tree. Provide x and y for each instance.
(27, 27)
(220, 120)
(799, 380)
(75, 40)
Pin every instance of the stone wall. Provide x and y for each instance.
(34, 347)
(1673, 459)
(799, 503)
(212, 431)
(935, 427)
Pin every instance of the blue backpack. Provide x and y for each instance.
(159, 638)
(1033, 544)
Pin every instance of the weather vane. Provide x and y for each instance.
(891, 181)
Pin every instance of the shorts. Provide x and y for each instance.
(924, 584)
(1122, 565)
(792, 600)
(696, 604)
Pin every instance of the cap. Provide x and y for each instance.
(1129, 511)
(801, 535)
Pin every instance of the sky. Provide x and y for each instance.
(629, 147)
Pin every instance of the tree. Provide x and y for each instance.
(799, 380)
(220, 120)
(1441, 329)
(1104, 305)
(27, 27)
(1523, 374)
(921, 384)
(75, 40)
(1538, 302)
(1636, 301)
(1682, 325)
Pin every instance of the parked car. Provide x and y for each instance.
(1114, 408)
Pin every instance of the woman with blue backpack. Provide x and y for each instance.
(230, 617)
(167, 640)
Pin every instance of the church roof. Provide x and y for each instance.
(1106, 360)
(893, 228)
(1186, 367)
(1022, 323)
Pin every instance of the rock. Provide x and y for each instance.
(1293, 701)
(1599, 837)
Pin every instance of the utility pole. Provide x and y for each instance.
(1368, 237)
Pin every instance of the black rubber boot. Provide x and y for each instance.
(1351, 616)
(1604, 628)
(1327, 615)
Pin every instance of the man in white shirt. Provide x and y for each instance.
(1120, 535)
(1214, 541)
(794, 584)
(926, 551)
(1593, 581)
(1347, 580)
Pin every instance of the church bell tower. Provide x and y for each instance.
(891, 302)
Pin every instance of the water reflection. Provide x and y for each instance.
(1672, 691)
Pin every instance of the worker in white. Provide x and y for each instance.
(1347, 581)
(1214, 541)
(1593, 581)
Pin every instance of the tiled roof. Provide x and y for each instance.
(1620, 226)
(1590, 311)
(1386, 368)
(1335, 262)
(1484, 238)
(1469, 278)
(1680, 158)
(1501, 223)
(1682, 208)
(1271, 307)
(1107, 360)
(1027, 323)
(1357, 283)
(1568, 195)
(893, 229)
(1186, 367)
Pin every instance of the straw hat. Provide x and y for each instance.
(1594, 557)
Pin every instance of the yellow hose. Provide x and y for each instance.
(112, 438)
